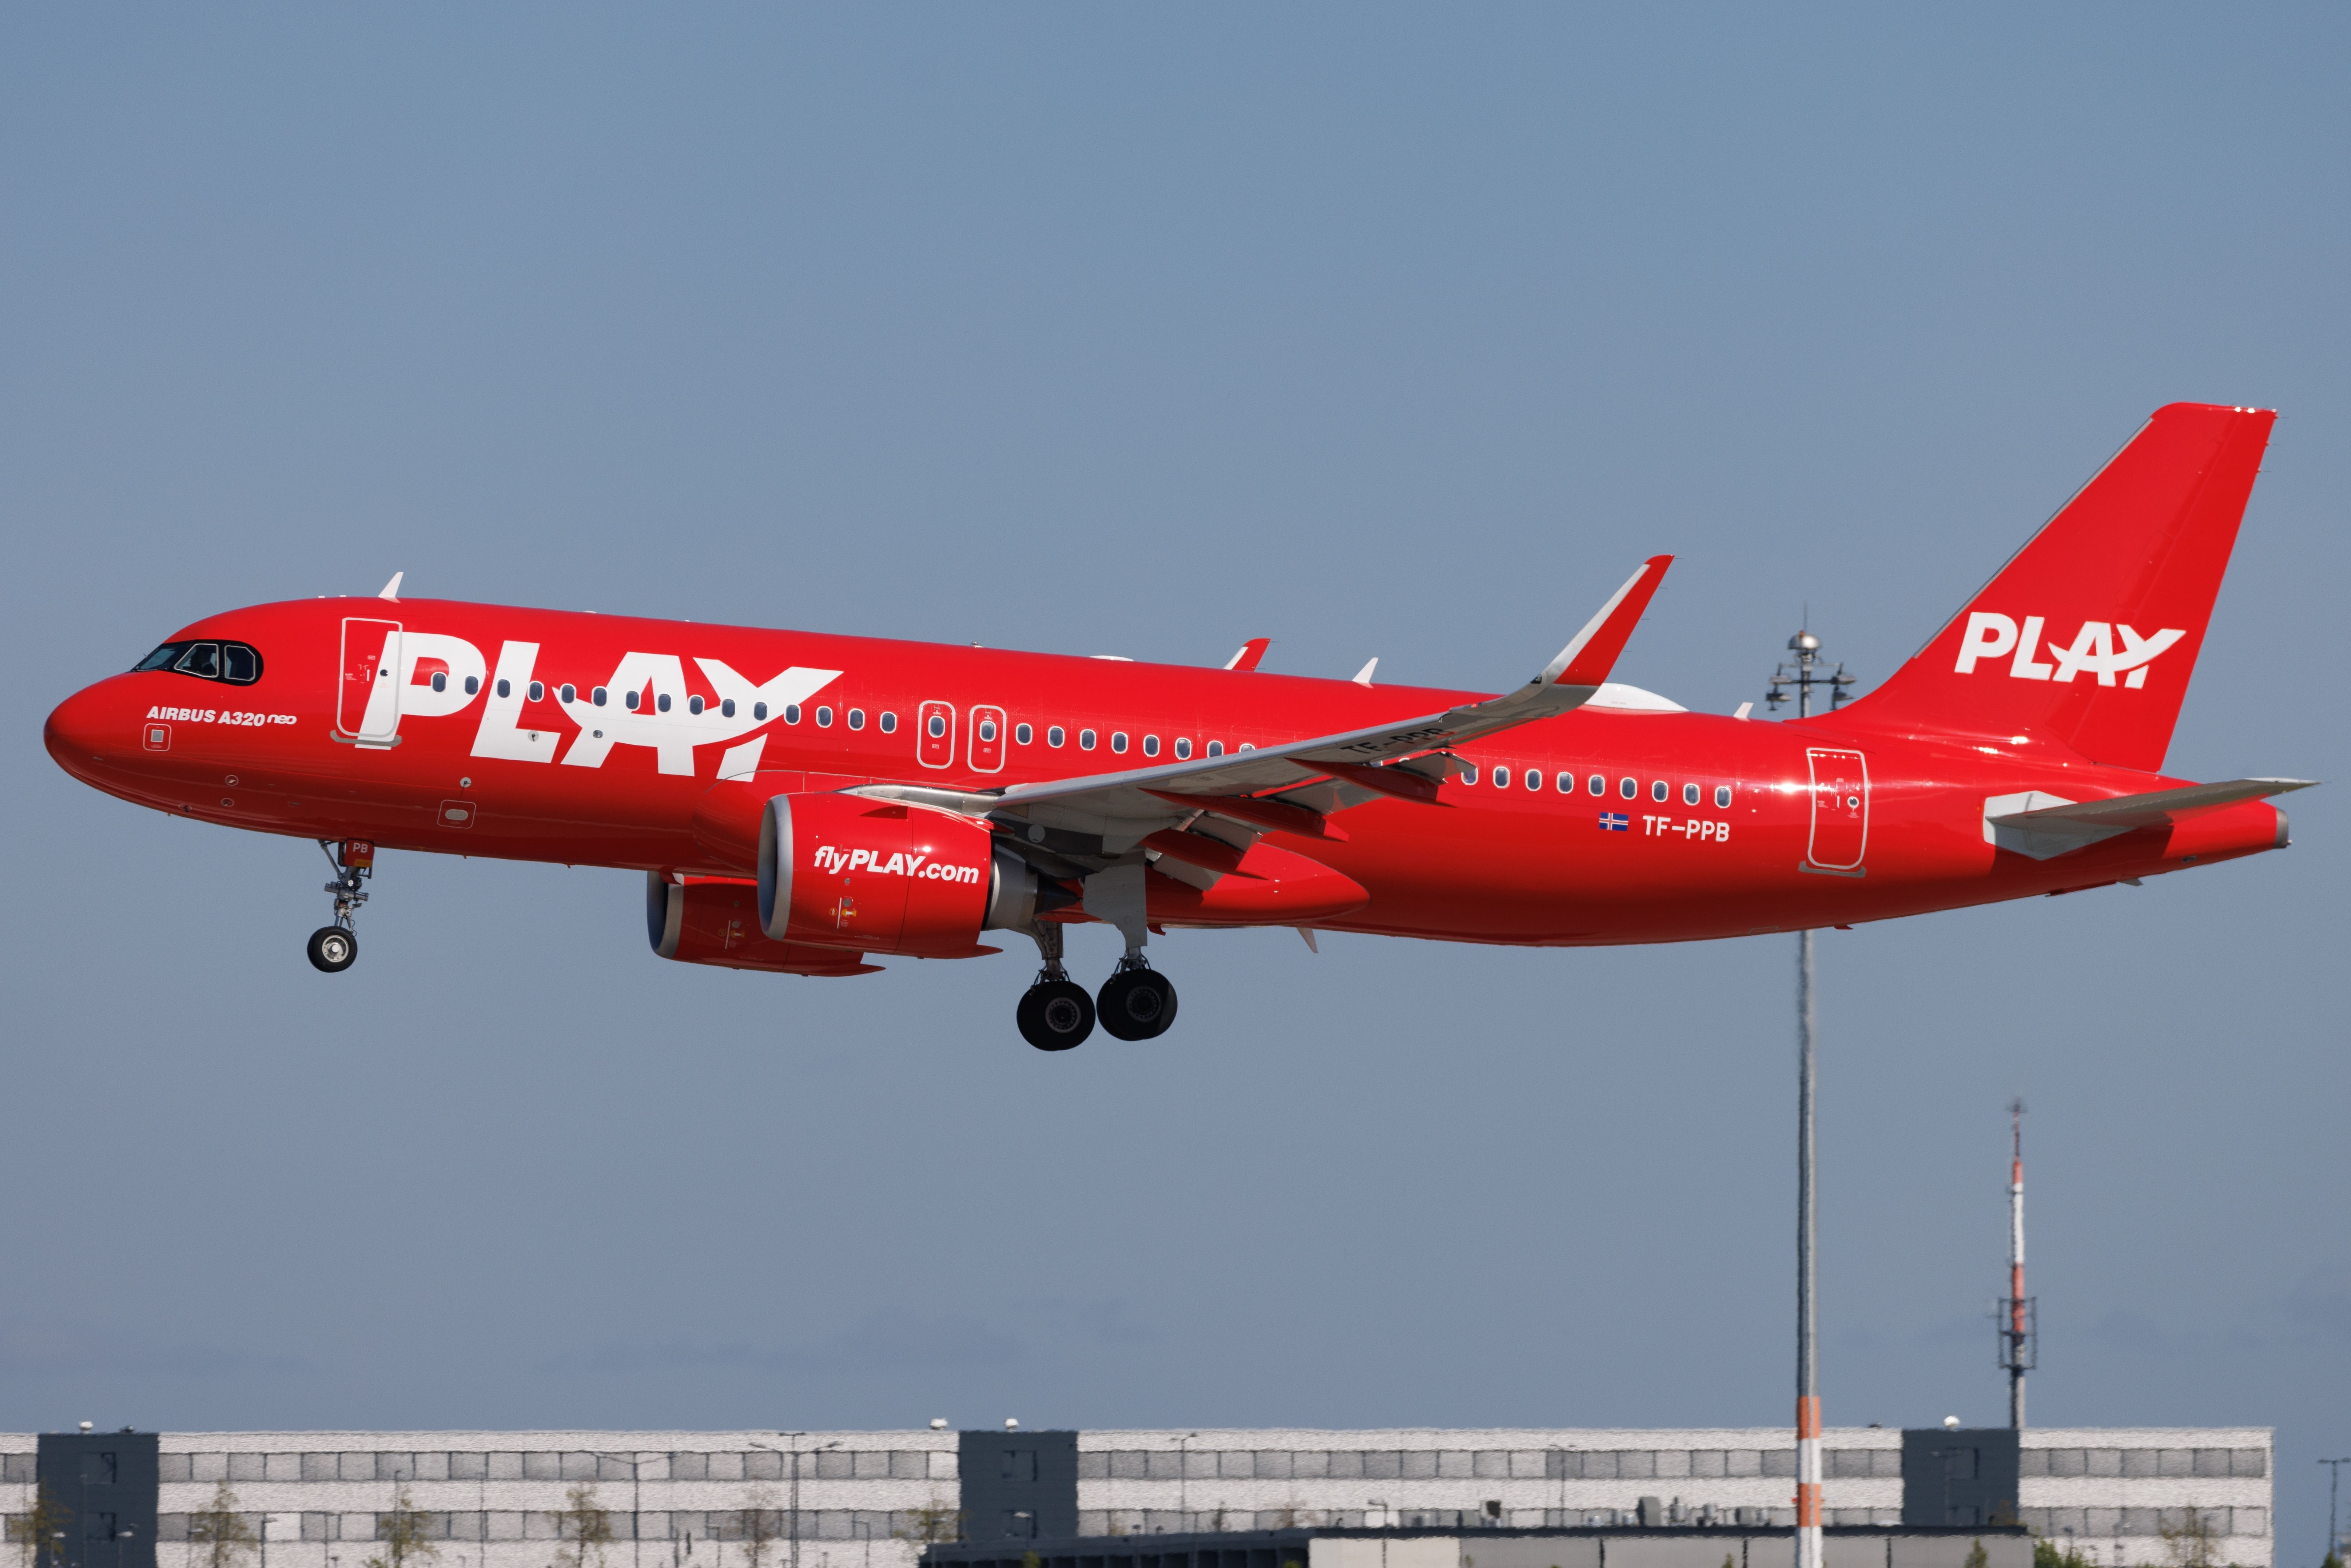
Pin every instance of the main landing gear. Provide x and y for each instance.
(333, 948)
(1135, 1003)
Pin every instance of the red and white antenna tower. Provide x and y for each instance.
(2019, 1327)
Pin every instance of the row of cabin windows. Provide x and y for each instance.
(1628, 787)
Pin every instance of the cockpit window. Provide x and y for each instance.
(239, 664)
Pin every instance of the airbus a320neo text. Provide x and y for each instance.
(802, 803)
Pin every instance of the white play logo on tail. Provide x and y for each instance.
(1990, 635)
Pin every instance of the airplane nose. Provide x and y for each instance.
(83, 728)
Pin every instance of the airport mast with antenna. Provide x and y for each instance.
(2019, 1329)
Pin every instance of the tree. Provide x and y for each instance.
(219, 1536)
(32, 1533)
(406, 1532)
(757, 1527)
(585, 1529)
(2047, 1553)
(927, 1526)
(1978, 1557)
(2188, 1542)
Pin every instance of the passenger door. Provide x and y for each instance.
(367, 699)
(1840, 809)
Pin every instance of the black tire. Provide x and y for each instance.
(1137, 1004)
(332, 948)
(1056, 1015)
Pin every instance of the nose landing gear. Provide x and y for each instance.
(1055, 1013)
(332, 948)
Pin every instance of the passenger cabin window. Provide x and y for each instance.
(506, 688)
(661, 701)
(1502, 777)
(1023, 734)
(632, 700)
(694, 704)
(1596, 784)
(538, 691)
(938, 725)
(824, 716)
(597, 697)
(1118, 740)
(759, 711)
(1535, 779)
(473, 685)
(440, 679)
(1056, 735)
(1566, 782)
(1689, 794)
(988, 729)
(1658, 791)
(1216, 749)
(1150, 745)
(570, 693)
(1085, 740)
(791, 713)
(857, 718)
(1722, 797)
(1629, 788)
(1183, 749)
(1469, 774)
(889, 722)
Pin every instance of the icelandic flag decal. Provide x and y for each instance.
(1615, 822)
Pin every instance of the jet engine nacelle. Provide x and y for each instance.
(716, 920)
(847, 871)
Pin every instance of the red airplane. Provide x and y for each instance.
(800, 802)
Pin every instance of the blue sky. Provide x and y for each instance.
(1374, 330)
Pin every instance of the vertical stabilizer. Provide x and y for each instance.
(2088, 635)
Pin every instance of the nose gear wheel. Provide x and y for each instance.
(333, 948)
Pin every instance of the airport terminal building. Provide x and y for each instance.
(877, 1499)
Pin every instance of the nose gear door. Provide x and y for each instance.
(367, 699)
(1840, 809)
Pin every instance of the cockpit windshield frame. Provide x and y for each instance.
(205, 659)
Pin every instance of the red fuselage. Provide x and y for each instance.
(1822, 822)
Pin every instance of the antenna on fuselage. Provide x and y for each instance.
(391, 589)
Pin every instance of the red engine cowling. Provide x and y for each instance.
(847, 871)
(716, 920)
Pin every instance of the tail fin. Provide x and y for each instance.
(2087, 636)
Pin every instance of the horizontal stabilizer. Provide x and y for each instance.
(2043, 826)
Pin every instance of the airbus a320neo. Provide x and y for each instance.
(799, 803)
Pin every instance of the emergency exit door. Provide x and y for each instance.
(1840, 809)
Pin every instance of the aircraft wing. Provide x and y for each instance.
(1244, 785)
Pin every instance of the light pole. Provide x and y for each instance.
(1809, 671)
(2335, 1480)
(636, 1513)
(1184, 1481)
(795, 1524)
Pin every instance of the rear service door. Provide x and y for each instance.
(934, 735)
(367, 700)
(1840, 809)
(987, 740)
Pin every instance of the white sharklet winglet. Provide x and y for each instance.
(391, 589)
(1584, 667)
(1364, 677)
(2154, 808)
